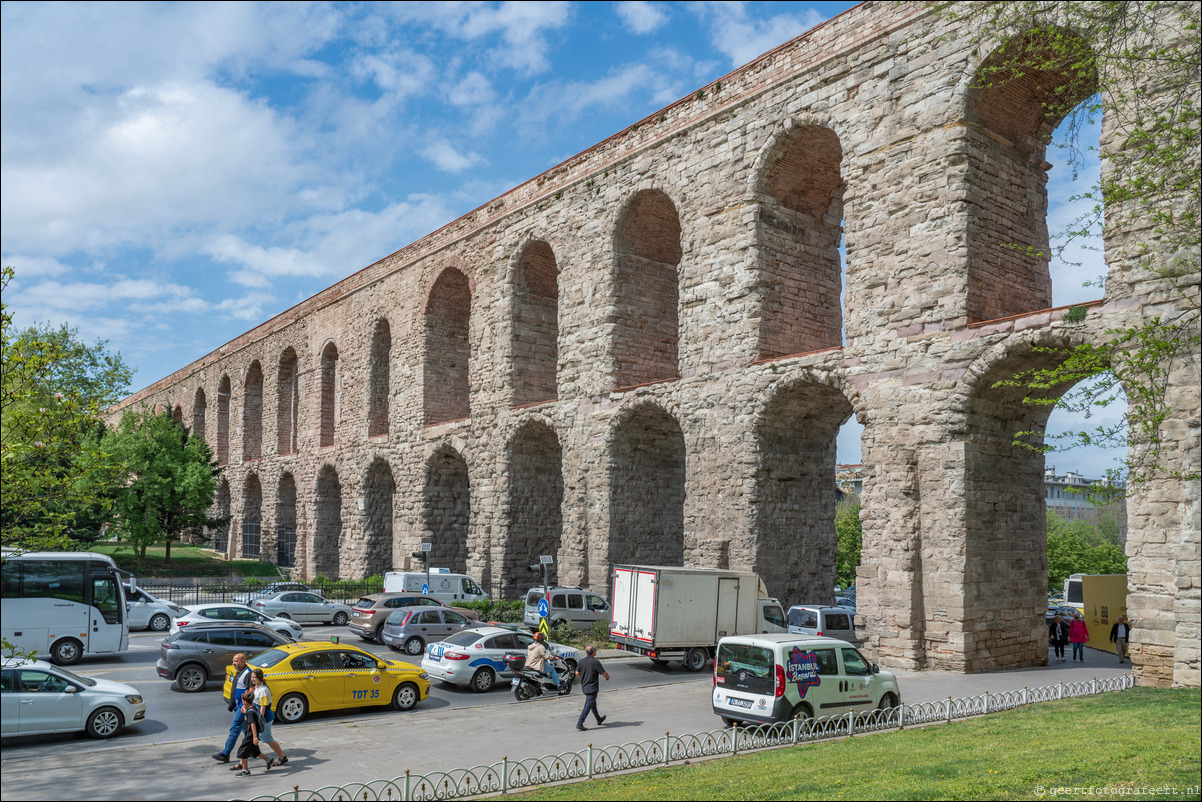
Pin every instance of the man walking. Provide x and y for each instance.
(1119, 634)
(241, 683)
(589, 672)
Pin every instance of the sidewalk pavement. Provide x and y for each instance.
(330, 753)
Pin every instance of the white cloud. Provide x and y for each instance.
(742, 37)
(445, 157)
(472, 90)
(641, 17)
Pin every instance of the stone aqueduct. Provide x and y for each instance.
(641, 355)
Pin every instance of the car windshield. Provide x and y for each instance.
(76, 678)
(268, 658)
(463, 638)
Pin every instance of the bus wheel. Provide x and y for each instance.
(66, 652)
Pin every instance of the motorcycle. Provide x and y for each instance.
(528, 683)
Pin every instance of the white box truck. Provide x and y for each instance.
(669, 613)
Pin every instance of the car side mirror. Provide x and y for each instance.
(876, 669)
(70, 689)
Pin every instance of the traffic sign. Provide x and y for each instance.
(544, 627)
(544, 609)
(425, 590)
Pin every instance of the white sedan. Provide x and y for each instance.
(37, 698)
(237, 613)
(476, 657)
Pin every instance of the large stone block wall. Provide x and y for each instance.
(640, 355)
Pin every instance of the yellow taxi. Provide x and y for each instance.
(316, 676)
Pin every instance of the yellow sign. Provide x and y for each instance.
(544, 628)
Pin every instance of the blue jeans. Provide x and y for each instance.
(590, 703)
(235, 731)
(1079, 651)
(551, 670)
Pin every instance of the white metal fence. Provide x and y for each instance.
(597, 761)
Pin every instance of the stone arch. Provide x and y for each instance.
(285, 521)
(647, 255)
(327, 519)
(252, 413)
(799, 227)
(794, 496)
(1013, 113)
(287, 412)
(647, 482)
(198, 413)
(379, 378)
(534, 466)
(447, 379)
(447, 508)
(379, 493)
(330, 386)
(535, 335)
(223, 420)
(249, 545)
(177, 414)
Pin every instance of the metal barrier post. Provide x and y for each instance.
(986, 702)
(1059, 690)
(734, 739)
(901, 716)
(504, 774)
(590, 761)
(851, 722)
(795, 720)
(949, 709)
(666, 752)
(406, 793)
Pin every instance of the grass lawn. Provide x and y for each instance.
(185, 561)
(1139, 740)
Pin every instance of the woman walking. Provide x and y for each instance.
(258, 684)
(1078, 634)
(1058, 636)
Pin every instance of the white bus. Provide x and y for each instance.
(63, 604)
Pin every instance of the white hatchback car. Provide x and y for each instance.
(476, 657)
(38, 698)
(237, 613)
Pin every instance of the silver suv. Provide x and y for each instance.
(201, 652)
(823, 621)
(569, 607)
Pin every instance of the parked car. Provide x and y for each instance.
(1063, 610)
(201, 652)
(37, 697)
(147, 611)
(315, 676)
(370, 612)
(573, 607)
(274, 587)
(306, 607)
(236, 614)
(822, 621)
(411, 628)
(476, 657)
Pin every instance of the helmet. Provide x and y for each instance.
(539, 636)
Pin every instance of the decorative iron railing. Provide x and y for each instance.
(595, 761)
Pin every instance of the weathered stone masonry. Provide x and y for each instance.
(640, 355)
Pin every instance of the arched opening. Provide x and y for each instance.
(177, 414)
(378, 378)
(647, 254)
(287, 408)
(252, 518)
(535, 325)
(795, 496)
(646, 489)
(221, 511)
(379, 490)
(447, 384)
(330, 386)
(327, 530)
(285, 522)
(798, 231)
(535, 504)
(223, 421)
(252, 413)
(447, 509)
(198, 414)
(1024, 89)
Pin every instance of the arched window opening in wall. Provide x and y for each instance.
(378, 382)
(327, 519)
(198, 414)
(288, 409)
(535, 504)
(795, 492)
(446, 385)
(223, 421)
(647, 291)
(535, 325)
(221, 511)
(252, 413)
(646, 489)
(252, 518)
(798, 232)
(285, 522)
(1015, 111)
(379, 491)
(447, 509)
(329, 379)
(177, 414)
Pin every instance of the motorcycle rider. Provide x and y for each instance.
(539, 659)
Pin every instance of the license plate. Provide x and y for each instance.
(514, 682)
(354, 615)
(743, 703)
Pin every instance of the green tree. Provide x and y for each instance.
(1078, 547)
(53, 387)
(170, 480)
(1140, 60)
(850, 537)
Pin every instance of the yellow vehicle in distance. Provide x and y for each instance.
(314, 676)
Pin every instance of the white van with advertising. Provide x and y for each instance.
(444, 586)
(760, 679)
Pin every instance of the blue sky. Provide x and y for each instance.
(174, 174)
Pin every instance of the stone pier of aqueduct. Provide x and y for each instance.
(641, 355)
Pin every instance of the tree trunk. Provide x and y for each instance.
(167, 556)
